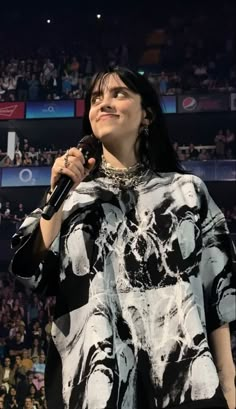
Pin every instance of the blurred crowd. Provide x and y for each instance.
(191, 58)
(43, 79)
(223, 147)
(66, 78)
(15, 214)
(180, 54)
(26, 154)
(25, 328)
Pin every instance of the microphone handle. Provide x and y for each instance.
(61, 190)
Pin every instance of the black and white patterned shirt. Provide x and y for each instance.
(141, 276)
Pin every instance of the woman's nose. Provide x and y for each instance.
(107, 103)
(107, 108)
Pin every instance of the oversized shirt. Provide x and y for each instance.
(141, 277)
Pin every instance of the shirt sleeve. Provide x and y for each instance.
(41, 276)
(218, 263)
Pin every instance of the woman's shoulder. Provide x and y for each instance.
(179, 184)
(197, 183)
(179, 178)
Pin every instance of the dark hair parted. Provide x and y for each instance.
(155, 150)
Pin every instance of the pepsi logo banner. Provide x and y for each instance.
(203, 103)
(12, 110)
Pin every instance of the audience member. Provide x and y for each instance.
(7, 374)
(41, 396)
(203, 155)
(26, 360)
(193, 152)
(36, 348)
(33, 394)
(163, 83)
(20, 371)
(11, 399)
(220, 144)
(19, 215)
(29, 404)
(38, 370)
(16, 346)
(230, 144)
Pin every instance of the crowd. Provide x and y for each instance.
(49, 79)
(12, 213)
(223, 147)
(40, 79)
(225, 144)
(25, 327)
(28, 155)
(180, 56)
(15, 213)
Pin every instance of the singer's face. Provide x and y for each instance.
(115, 112)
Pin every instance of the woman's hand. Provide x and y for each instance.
(228, 387)
(223, 359)
(72, 165)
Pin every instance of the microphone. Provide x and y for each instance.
(88, 145)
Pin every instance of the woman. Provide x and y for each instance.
(17, 159)
(140, 261)
(36, 348)
(18, 308)
(11, 401)
(33, 393)
(42, 397)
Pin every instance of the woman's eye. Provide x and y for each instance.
(95, 99)
(120, 94)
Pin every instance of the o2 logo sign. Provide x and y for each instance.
(26, 176)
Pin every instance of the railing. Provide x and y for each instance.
(210, 170)
(182, 148)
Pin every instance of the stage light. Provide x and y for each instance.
(48, 21)
(99, 16)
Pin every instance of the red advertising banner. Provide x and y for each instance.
(12, 110)
(203, 103)
(79, 110)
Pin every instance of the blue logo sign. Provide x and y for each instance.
(50, 109)
(30, 176)
(168, 104)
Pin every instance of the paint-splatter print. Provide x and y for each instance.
(140, 277)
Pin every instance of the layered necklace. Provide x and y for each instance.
(123, 177)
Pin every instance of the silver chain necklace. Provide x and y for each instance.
(127, 177)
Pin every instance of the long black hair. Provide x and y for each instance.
(155, 149)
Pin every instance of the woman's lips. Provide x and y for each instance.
(107, 116)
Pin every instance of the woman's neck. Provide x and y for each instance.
(121, 160)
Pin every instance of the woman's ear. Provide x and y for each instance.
(147, 116)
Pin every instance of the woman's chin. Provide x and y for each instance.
(105, 136)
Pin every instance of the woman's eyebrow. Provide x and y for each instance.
(98, 92)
